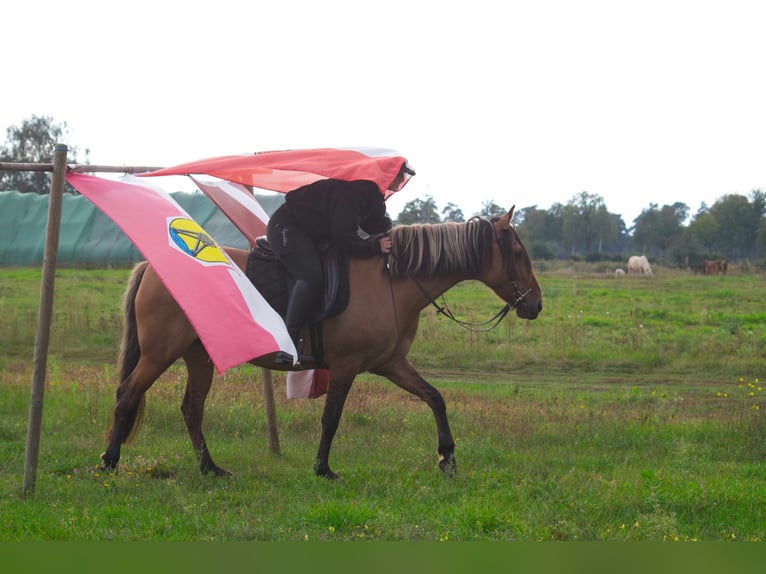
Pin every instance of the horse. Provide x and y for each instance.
(373, 334)
(719, 266)
(639, 265)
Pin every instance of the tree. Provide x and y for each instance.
(655, 229)
(541, 230)
(539, 224)
(588, 226)
(491, 209)
(738, 220)
(703, 230)
(605, 227)
(453, 213)
(572, 230)
(419, 211)
(761, 235)
(33, 141)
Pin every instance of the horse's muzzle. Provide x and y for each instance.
(529, 309)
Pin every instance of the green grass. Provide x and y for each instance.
(630, 410)
(673, 325)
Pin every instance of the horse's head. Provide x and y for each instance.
(511, 275)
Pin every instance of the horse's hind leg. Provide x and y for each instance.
(404, 375)
(128, 408)
(200, 370)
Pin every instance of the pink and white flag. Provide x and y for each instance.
(233, 321)
(287, 170)
(239, 205)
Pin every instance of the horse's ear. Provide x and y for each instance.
(505, 221)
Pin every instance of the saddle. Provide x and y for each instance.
(270, 278)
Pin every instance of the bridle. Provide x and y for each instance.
(506, 252)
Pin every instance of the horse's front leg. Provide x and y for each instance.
(404, 375)
(337, 391)
(200, 371)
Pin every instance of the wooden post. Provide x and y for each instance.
(271, 410)
(268, 394)
(44, 319)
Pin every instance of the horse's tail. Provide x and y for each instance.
(130, 351)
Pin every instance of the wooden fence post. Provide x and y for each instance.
(271, 410)
(44, 319)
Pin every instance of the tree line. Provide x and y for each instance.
(734, 227)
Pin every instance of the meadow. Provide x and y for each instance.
(631, 409)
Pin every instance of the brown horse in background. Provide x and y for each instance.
(373, 334)
(716, 267)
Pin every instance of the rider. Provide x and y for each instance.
(328, 210)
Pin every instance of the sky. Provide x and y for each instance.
(516, 102)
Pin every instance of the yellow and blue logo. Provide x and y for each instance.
(187, 235)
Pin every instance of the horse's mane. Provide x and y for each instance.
(421, 250)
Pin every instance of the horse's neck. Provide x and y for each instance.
(417, 294)
(437, 286)
(408, 293)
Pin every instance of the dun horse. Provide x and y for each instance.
(373, 334)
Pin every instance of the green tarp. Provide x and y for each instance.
(88, 237)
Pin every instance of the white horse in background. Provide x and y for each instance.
(639, 265)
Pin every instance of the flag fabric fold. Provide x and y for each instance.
(234, 322)
(284, 171)
(239, 205)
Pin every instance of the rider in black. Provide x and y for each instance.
(326, 211)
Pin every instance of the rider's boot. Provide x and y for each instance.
(298, 308)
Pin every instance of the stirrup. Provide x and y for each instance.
(305, 360)
(283, 358)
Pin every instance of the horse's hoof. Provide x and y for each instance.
(327, 474)
(109, 465)
(448, 466)
(330, 475)
(217, 471)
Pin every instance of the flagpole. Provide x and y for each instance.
(76, 168)
(44, 320)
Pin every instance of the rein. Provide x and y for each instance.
(475, 327)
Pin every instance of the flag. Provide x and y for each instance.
(239, 205)
(233, 321)
(310, 384)
(284, 171)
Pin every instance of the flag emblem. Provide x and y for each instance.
(187, 235)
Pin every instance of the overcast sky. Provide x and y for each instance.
(525, 103)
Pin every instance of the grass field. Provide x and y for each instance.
(632, 409)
